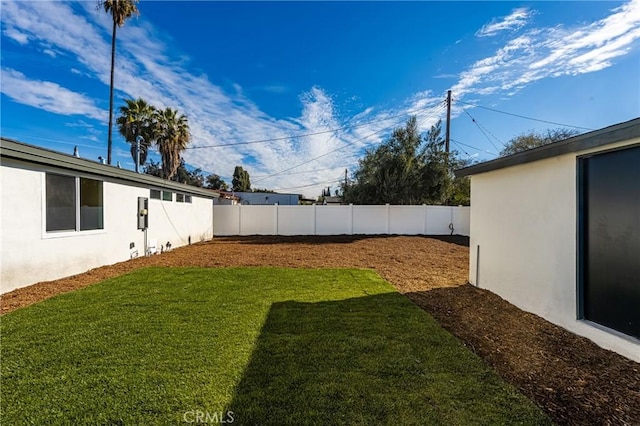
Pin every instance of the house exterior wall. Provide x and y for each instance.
(524, 219)
(29, 254)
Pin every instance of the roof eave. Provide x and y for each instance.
(32, 154)
(597, 138)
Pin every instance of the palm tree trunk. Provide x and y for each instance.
(113, 61)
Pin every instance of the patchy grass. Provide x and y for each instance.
(163, 345)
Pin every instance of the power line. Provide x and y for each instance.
(314, 133)
(522, 116)
(18, 138)
(344, 146)
(309, 185)
(473, 147)
(325, 142)
(491, 134)
(481, 130)
(462, 149)
(307, 171)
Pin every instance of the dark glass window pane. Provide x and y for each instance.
(187, 198)
(91, 204)
(611, 240)
(167, 196)
(61, 203)
(180, 198)
(155, 194)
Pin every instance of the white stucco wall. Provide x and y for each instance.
(30, 255)
(524, 220)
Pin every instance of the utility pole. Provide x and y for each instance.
(448, 133)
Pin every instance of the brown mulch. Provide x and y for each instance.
(572, 379)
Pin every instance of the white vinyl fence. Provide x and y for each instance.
(339, 220)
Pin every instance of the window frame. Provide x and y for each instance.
(69, 232)
(581, 168)
(76, 204)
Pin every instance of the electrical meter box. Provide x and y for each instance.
(143, 213)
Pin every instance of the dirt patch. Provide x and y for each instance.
(572, 379)
(411, 263)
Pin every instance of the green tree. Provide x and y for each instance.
(152, 168)
(136, 118)
(183, 174)
(241, 181)
(407, 169)
(216, 182)
(190, 177)
(436, 179)
(120, 11)
(389, 173)
(172, 137)
(533, 139)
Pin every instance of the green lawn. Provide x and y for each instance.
(252, 345)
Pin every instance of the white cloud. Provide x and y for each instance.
(553, 52)
(516, 20)
(16, 36)
(47, 95)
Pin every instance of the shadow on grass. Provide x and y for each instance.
(332, 239)
(368, 360)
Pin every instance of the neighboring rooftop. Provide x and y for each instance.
(597, 138)
(13, 149)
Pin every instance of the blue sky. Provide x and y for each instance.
(245, 72)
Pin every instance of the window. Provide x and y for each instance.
(91, 204)
(61, 203)
(167, 195)
(73, 203)
(180, 198)
(609, 239)
(187, 198)
(155, 194)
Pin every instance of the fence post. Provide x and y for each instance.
(350, 219)
(315, 218)
(213, 219)
(388, 218)
(424, 219)
(275, 218)
(451, 226)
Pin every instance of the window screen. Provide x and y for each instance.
(91, 204)
(167, 195)
(61, 203)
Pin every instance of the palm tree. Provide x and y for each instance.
(120, 11)
(137, 118)
(172, 137)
